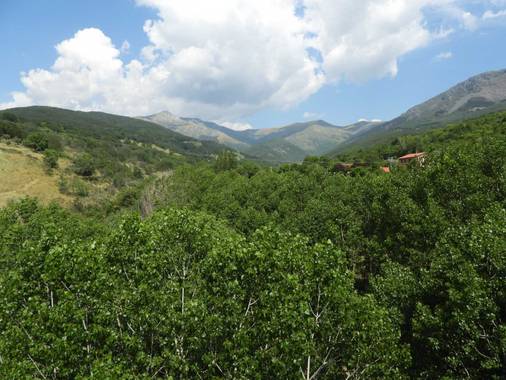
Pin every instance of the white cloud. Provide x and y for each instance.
(370, 120)
(312, 115)
(236, 126)
(444, 56)
(362, 40)
(223, 59)
(492, 15)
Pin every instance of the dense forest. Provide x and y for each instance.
(228, 269)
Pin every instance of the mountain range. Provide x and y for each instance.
(478, 95)
(481, 94)
(291, 143)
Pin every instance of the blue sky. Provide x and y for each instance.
(196, 71)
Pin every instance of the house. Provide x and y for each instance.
(419, 157)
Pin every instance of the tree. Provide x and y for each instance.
(226, 160)
(38, 141)
(84, 165)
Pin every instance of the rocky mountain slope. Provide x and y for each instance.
(479, 95)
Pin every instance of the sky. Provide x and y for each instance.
(243, 63)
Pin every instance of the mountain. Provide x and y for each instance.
(290, 143)
(100, 125)
(198, 129)
(87, 160)
(294, 142)
(479, 95)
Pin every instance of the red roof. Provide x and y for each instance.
(412, 155)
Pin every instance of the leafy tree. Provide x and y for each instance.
(226, 160)
(84, 165)
(38, 141)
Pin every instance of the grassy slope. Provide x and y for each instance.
(23, 174)
(125, 153)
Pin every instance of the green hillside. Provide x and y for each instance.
(276, 151)
(87, 159)
(476, 130)
(100, 125)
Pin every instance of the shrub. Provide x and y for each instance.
(51, 159)
(38, 141)
(84, 165)
(80, 188)
(54, 142)
(11, 130)
(63, 186)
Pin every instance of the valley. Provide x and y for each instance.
(126, 242)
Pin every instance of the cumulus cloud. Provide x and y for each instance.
(362, 40)
(223, 60)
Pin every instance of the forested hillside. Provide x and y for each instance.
(475, 130)
(85, 159)
(227, 269)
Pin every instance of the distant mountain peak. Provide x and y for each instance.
(163, 117)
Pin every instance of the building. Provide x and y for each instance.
(419, 157)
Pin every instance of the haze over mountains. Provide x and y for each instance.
(481, 94)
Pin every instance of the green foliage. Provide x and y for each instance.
(84, 165)
(181, 295)
(404, 236)
(63, 186)
(226, 160)
(51, 159)
(9, 116)
(38, 141)
(79, 187)
(11, 130)
(257, 272)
